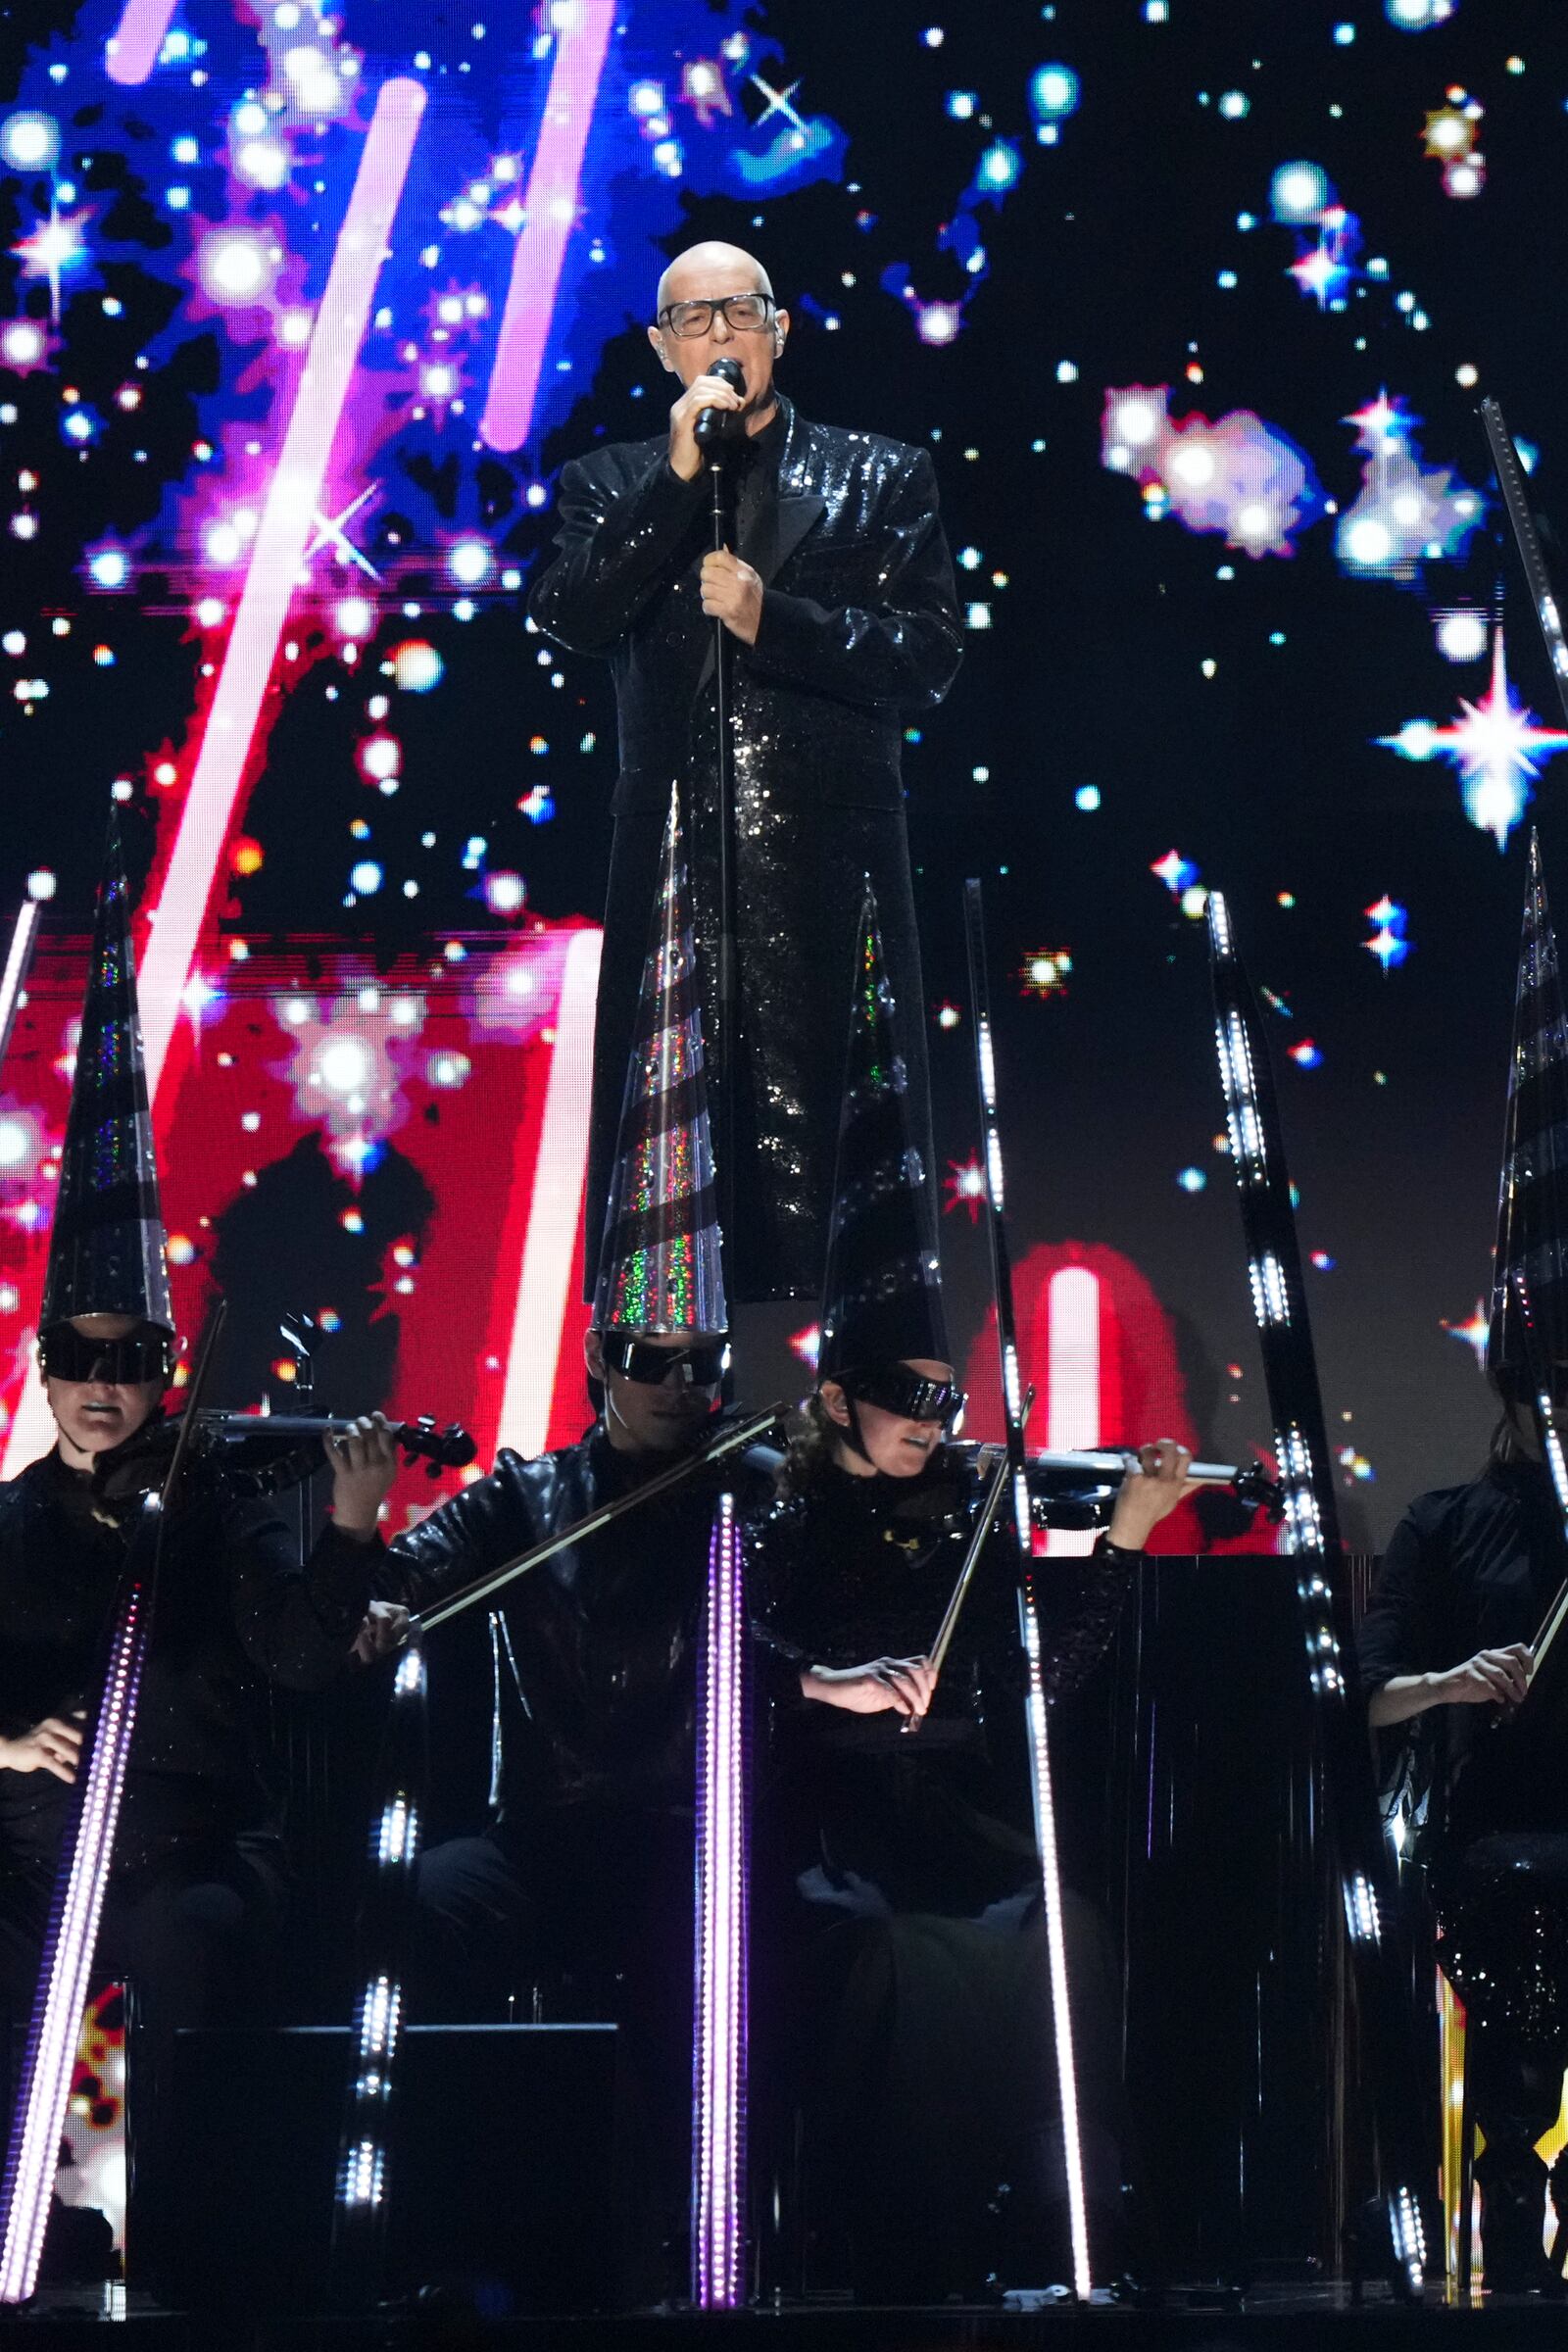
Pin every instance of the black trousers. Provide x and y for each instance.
(589, 1909)
(191, 1935)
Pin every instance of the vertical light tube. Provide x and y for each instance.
(582, 38)
(132, 52)
(363, 2150)
(1072, 1392)
(1040, 1781)
(560, 1168)
(18, 959)
(39, 2114)
(718, 2038)
(291, 504)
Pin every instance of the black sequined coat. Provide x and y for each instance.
(234, 1612)
(851, 1569)
(597, 1649)
(859, 634)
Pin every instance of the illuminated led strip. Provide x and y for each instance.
(1040, 1782)
(13, 979)
(1311, 1532)
(65, 1973)
(292, 500)
(718, 2038)
(132, 52)
(364, 2149)
(559, 1169)
(582, 39)
(1072, 1392)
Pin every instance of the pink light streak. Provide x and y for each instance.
(559, 1169)
(278, 553)
(718, 2041)
(65, 1973)
(1072, 1397)
(19, 959)
(549, 214)
(130, 54)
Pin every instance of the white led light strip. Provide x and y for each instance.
(719, 2057)
(39, 2116)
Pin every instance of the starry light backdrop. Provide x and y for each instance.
(302, 312)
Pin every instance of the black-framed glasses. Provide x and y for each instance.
(66, 1354)
(897, 1389)
(702, 1365)
(745, 313)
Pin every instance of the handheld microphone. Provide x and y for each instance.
(718, 425)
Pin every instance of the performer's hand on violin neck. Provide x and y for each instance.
(1492, 1678)
(708, 392)
(1149, 1494)
(886, 1685)
(53, 1745)
(364, 1459)
(732, 592)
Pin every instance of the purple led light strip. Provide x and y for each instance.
(40, 2115)
(718, 2041)
(549, 214)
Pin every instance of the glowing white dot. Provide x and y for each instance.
(262, 162)
(1137, 422)
(344, 1065)
(1193, 465)
(470, 562)
(109, 568)
(365, 877)
(1462, 636)
(30, 142)
(14, 1143)
(1369, 542)
(355, 616)
(250, 119)
(235, 266)
(222, 543)
(22, 342)
(381, 755)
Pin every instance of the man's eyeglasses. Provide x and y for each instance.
(747, 314)
(698, 1367)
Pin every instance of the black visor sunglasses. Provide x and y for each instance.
(66, 1353)
(700, 1367)
(896, 1389)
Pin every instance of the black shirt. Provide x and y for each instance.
(234, 1610)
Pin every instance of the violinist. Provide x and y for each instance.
(198, 1876)
(578, 1885)
(916, 2034)
(1449, 1666)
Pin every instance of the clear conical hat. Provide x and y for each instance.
(659, 1264)
(106, 1249)
(882, 1286)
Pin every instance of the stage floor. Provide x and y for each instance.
(1291, 2319)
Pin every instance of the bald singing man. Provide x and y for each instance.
(836, 593)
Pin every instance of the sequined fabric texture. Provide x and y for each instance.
(860, 632)
(659, 1265)
(106, 1254)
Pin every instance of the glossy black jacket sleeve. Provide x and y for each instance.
(612, 548)
(901, 652)
(1394, 1636)
(296, 1625)
(473, 1532)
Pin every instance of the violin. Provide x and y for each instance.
(261, 1454)
(1066, 1489)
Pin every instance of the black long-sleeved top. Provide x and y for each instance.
(859, 633)
(234, 1611)
(601, 1657)
(1471, 1568)
(851, 1569)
